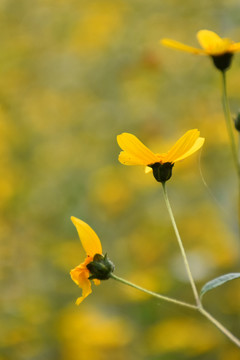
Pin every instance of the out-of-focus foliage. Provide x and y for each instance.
(73, 75)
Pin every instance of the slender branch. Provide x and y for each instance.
(181, 246)
(162, 297)
(233, 338)
(199, 308)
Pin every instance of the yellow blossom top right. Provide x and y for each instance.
(211, 43)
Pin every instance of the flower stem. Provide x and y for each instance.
(195, 293)
(228, 119)
(162, 297)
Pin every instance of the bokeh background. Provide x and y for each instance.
(73, 75)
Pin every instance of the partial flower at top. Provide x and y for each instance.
(220, 49)
(96, 266)
(136, 153)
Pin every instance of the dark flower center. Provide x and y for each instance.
(162, 172)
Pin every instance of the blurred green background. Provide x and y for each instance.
(73, 75)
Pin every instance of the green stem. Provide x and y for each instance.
(162, 297)
(199, 308)
(234, 147)
(225, 331)
(228, 119)
(195, 293)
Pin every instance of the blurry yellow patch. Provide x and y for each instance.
(229, 353)
(110, 191)
(153, 280)
(97, 27)
(69, 253)
(183, 334)
(231, 295)
(6, 188)
(145, 251)
(222, 251)
(90, 332)
(51, 110)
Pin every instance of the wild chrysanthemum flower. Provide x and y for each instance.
(136, 153)
(95, 267)
(220, 49)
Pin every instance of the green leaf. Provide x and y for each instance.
(218, 281)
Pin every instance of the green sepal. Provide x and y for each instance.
(223, 61)
(162, 172)
(100, 268)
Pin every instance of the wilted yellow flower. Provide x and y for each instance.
(95, 266)
(136, 153)
(220, 49)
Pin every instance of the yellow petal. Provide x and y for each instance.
(182, 146)
(212, 43)
(134, 151)
(197, 145)
(127, 159)
(179, 46)
(147, 170)
(96, 281)
(235, 47)
(89, 239)
(80, 276)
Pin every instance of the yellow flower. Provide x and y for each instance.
(220, 49)
(136, 153)
(95, 266)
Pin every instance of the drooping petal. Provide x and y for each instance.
(212, 43)
(89, 239)
(80, 276)
(180, 46)
(134, 151)
(182, 146)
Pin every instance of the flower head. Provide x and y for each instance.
(136, 153)
(220, 49)
(95, 266)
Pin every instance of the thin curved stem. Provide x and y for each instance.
(162, 297)
(228, 119)
(195, 293)
(234, 147)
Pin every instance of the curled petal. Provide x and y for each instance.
(179, 46)
(134, 151)
(80, 276)
(89, 239)
(185, 146)
(196, 146)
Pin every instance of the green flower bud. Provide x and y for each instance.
(100, 268)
